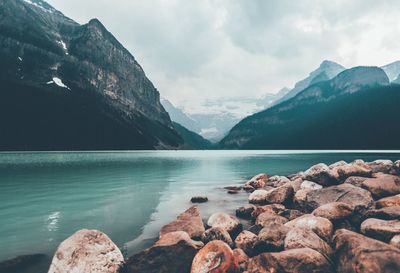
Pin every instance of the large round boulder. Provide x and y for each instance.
(356, 253)
(277, 195)
(271, 238)
(226, 222)
(380, 229)
(245, 241)
(383, 185)
(334, 211)
(267, 217)
(392, 201)
(257, 182)
(215, 257)
(320, 174)
(301, 238)
(381, 166)
(302, 260)
(321, 226)
(87, 251)
(387, 213)
(216, 233)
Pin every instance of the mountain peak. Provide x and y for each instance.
(328, 63)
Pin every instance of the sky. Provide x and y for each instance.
(201, 50)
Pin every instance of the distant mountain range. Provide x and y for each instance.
(357, 109)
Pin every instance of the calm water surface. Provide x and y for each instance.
(45, 197)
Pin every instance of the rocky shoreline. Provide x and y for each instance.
(344, 217)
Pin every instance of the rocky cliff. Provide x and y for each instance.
(71, 86)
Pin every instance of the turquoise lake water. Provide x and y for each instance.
(46, 197)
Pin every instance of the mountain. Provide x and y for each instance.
(191, 139)
(67, 86)
(392, 70)
(357, 109)
(177, 115)
(327, 70)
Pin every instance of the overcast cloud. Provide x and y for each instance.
(193, 50)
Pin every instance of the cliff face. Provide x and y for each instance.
(49, 62)
(335, 114)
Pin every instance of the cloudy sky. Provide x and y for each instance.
(207, 49)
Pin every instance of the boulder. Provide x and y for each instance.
(321, 226)
(199, 199)
(277, 181)
(382, 186)
(301, 238)
(241, 258)
(352, 169)
(387, 213)
(214, 257)
(87, 251)
(277, 195)
(189, 221)
(216, 233)
(291, 214)
(274, 208)
(257, 182)
(245, 211)
(392, 201)
(270, 238)
(334, 211)
(233, 192)
(309, 185)
(396, 167)
(225, 221)
(356, 253)
(381, 166)
(355, 180)
(173, 253)
(296, 184)
(300, 200)
(395, 241)
(233, 188)
(379, 229)
(320, 174)
(245, 241)
(302, 260)
(267, 217)
(358, 199)
(338, 164)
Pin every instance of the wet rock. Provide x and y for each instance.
(266, 218)
(301, 238)
(381, 166)
(379, 229)
(302, 260)
(320, 174)
(278, 195)
(382, 186)
(245, 241)
(216, 233)
(173, 253)
(245, 211)
(395, 241)
(291, 214)
(87, 251)
(225, 221)
(309, 185)
(277, 181)
(334, 211)
(392, 201)
(270, 238)
(232, 192)
(359, 254)
(199, 199)
(357, 198)
(233, 188)
(387, 213)
(22, 263)
(241, 258)
(355, 180)
(353, 169)
(257, 182)
(189, 221)
(215, 257)
(274, 208)
(321, 226)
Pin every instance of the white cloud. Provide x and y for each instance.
(195, 51)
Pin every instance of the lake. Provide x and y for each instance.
(47, 196)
